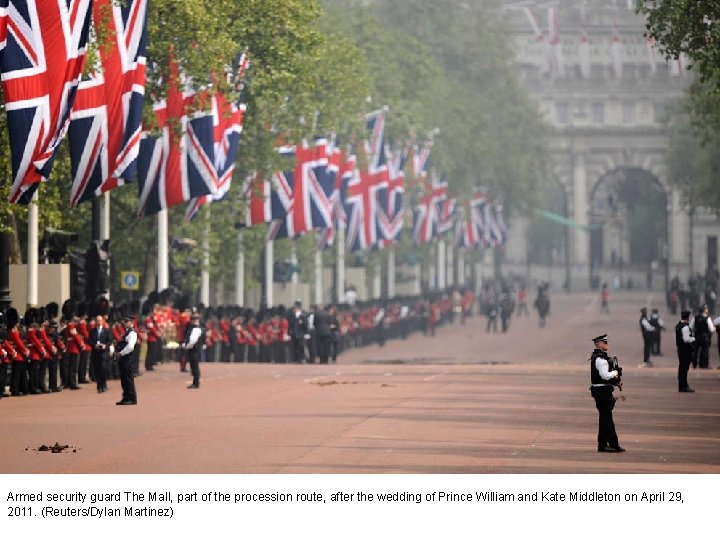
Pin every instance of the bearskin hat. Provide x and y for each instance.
(81, 309)
(31, 316)
(11, 317)
(42, 315)
(52, 310)
(68, 309)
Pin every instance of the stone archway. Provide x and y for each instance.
(629, 226)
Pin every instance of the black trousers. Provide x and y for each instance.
(193, 356)
(18, 376)
(52, 368)
(323, 345)
(3, 377)
(72, 360)
(35, 383)
(684, 361)
(99, 369)
(152, 355)
(298, 349)
(656, 343)
(126, 378)
(702, 352)
(647, 347)
(605, 403)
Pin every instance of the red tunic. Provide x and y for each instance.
(47, 343)
(10, 350)
(37, 351)
(19, 344)
(73, 340)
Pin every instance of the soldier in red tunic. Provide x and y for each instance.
(22, 352)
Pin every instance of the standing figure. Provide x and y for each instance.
(192, 345)
(605, 375)
(648, 335)
(659, 327)
(604, 299)
(19, 365)
(125, 352)
(297, 328)
(542, 303)
(522, 307)
(704, 329)
(684, 339)
(100, 342)
(323, 335)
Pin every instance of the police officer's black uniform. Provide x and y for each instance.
(193, 350)
(604, 376)
(125, 364)
(685, 344)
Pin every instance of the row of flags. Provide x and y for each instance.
(553, 61)
(189, 155)
(325, 187)
(43, 49)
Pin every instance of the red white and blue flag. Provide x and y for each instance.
(227, 127)
(179, 165)
(41, 65)
(391, 211)
(470, 229)
(361, 201)
(426, 211)
(105, 124)
(310, 187)
(343, 166)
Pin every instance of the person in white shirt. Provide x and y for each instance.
(685, 340)
(125, 351)
(193, 346)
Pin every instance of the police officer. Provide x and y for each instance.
(193, 345)
(648, 334)
(125, 351)
(605, 375)
(684, 339)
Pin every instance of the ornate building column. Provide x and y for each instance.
(581, 244)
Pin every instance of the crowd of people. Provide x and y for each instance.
(501, 299)
(49, 350)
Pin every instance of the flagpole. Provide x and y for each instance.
(205, 270)
(240, 272)
(461, 267)
(441, 264)
(431, 269)
(391, 272)
(450, 264)
(377, 281)
(32, 252)
(340, 264)
(163, 271)
(105, 235)
(417, 285)
(269, 255)
(318, 278)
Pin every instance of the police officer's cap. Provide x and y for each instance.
(127, 318)
(598, 339)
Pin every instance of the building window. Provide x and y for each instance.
(659, 113)
(561, 113)
(629, 113)
(598, 113)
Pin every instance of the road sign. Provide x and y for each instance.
(130, 281)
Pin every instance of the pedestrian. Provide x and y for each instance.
(703, 329)
(125, 352)
(604, 299)
(522, 307)
(648, 335)
(605, 376)
(542, 303)
(100, 341)
(684, 339)
(192, 345)
(298, 329)
(659, 327)
(323, 334)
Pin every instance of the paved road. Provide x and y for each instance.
(462, 402)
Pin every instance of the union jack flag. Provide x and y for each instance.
(426, 212)
(470, 229)
(343, 166)
(228, 124)
(105, 123)
(391, 212)
(179, 165)
(494, 234)
(3, 23)
(41, 65)
(306, 191)
(361, 201)
(446, 215)
(420, 163)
